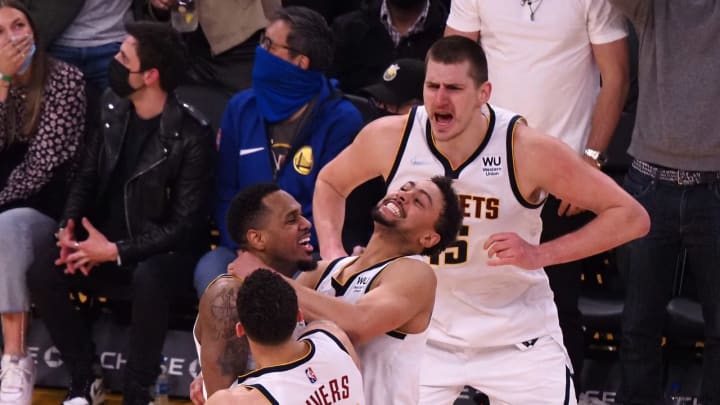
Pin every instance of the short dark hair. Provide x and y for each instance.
(246, 211)
(456, 49)
(267, 307)
(309, 34)
(450, 219)
(160, 47)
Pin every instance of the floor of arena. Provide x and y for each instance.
(45, 396)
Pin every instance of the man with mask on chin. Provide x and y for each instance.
(284, 129)
(136, 216)
(382, 31)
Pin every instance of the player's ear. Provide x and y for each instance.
(239, 330)
(430, 239)
(483, 93)
(256, 239)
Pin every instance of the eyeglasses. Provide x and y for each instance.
(267, 44)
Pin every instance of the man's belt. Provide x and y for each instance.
(675, 176)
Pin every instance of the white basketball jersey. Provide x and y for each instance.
(391, 362)
(325, 375)
(478, 305)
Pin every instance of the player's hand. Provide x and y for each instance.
(245, 264)
(196, 391)
(508, 248)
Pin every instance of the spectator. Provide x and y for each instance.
(42, 104)
(370, 39)
(399, 89)
(285, 128)
(141, 197)
(222, 49)
(675, 175)
(93, 38)
(330, 9)
(320, 367)
(539, 51)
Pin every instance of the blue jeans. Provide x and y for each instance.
(682, 217)
(92, 61)
(211, 265)
(24, 234)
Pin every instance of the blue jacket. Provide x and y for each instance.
(246, 157)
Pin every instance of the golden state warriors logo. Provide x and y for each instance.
(391, 72)
(303, 160)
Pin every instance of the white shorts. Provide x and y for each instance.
(514, 375)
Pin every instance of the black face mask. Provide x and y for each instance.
(406, 4)
(118, 76)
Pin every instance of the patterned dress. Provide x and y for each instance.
(56, 139)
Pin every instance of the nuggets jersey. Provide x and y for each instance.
(478, 305)
(391, 362)
(325, 375)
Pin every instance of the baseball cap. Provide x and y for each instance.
(401, 82)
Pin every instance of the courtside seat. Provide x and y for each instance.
(685, 319)
(601, 312)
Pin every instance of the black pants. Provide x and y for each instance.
(565, 284)
(150, 286)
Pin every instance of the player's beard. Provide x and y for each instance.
(307, 265)
(379, 218)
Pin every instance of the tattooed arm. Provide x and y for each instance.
(223, 355)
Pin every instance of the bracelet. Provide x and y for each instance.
(5, 77)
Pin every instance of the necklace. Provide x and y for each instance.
(530, 6)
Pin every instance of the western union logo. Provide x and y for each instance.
(303, 160)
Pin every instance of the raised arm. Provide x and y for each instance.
(619, 217)
(404, 290)
(370, 155)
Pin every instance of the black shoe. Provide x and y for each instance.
(89, 392)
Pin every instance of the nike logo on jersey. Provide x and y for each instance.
(249, 151)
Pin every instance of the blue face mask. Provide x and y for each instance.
(282, 88)
(28, 60)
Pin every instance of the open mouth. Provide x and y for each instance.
(442, 120)
(305, 243)
(395, 209)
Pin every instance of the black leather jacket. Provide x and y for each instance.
(167, 199)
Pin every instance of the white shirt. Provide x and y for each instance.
(543, 69)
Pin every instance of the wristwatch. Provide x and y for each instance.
(599, 157)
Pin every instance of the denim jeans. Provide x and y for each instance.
(211, 265)
(24, 233)
(682, 217)
(92, 61)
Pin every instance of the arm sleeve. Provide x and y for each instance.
(605, 22)
(464, 15)
(227, 181)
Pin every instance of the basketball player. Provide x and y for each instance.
(268, 225)
(495, 326)
(319, 368)
(383, 298)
